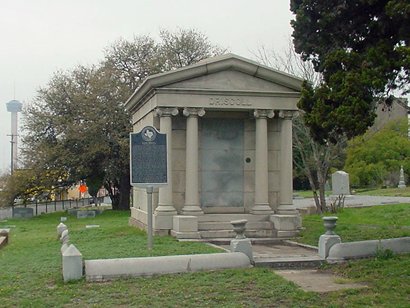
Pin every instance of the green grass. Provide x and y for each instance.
(356, 224)
(308, 193)
(30, 271)
(388, 192)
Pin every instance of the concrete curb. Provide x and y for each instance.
(362, 249)
(108, 269)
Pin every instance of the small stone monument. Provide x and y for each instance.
(64, 239)
(72, 264)
(60, 228)
(402, 183)
(330, 238)
(340, 183)
(240, 243)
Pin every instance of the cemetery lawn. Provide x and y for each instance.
(307, 193)
(358, 224)
(30, 270)
(388, 192)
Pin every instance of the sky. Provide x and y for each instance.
(40, 37)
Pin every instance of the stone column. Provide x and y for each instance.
(165, 210)
(286, 163)
(192, 205)
(261, 162)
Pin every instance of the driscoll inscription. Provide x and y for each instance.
(227, 101)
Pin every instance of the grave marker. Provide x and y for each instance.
(22, 212)
(340, 183)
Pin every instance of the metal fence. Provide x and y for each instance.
(47, 206)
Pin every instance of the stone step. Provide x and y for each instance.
(230, 217)
(251, 225)
(290, 262)
(254, 240)
(212, 234)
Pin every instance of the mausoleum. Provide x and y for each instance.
(228, 122)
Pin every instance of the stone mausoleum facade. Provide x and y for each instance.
(228, 122)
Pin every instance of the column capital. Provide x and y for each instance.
(166, 111)
(263, 113)
(288, 114)
(195, 112)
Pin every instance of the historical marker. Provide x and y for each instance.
(148, 165)
(148, 158)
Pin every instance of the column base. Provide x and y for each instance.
(165, 209)
(261, 209)
(193, 210)
(287, 209)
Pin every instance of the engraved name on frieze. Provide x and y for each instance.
(227, 101)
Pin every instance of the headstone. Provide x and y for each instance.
(22, 212)
(60, 228)
(72, 212)
(85, 214)
(65, 238)
(402, 183)
(340, 183)
(72, 264)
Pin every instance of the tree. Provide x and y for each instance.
(77, 124)
(185, 47)
(375, 158)
(25, 184)
(361, 48)
(315, 160)
(310, 158)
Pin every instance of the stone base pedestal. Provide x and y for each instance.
(185, 227)
(163, 220)
(326, 242)
(244, 246)
(286, 225)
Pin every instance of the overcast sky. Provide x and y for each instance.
(39, 37)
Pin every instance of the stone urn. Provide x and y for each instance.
(239, 226)
(330, 224)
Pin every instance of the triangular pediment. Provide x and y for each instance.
(229, 80)
(227, 72)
